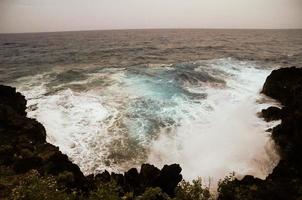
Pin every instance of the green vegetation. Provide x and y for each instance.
(110, 191)
(192, 191)
(153, 194)
(31, 169)
(33, 186)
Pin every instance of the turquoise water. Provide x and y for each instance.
(202, 115)
(116, 99)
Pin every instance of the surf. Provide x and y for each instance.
(199, 114)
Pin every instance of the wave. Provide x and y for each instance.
(201, 115)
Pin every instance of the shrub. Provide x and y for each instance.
(192, 191)
(34, 187)
(153, 194)
(106, 191)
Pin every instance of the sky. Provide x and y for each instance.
(70, 15)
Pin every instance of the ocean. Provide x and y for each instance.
(112, 100)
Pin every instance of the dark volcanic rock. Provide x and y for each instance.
(168, 178)
(148, 175)
(284, 85)
(23, 147)
(24, 140)
(285, 182)
(23, 165)
(132, 181)
(13, 99)
(118, 178)
(103, 177)
(271, 114)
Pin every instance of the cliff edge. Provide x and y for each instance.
(285, 182)
(26, 158)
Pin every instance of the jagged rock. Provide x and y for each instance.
(6, 154)
(148, 175)
(103, 177)
(23, 147)
(14, 99)
(169, 178)
(284, 85)
(132, 181)
(24, 165)
(285, 182)
(23, 142)
(272, 113)
(118, 178)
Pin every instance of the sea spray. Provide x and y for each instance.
(201, 115)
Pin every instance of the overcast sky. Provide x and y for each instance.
(66, 15)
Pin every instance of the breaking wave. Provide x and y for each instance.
(201, 115)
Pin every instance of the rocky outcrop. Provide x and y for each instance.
(23, 147)
(271, 113)
(149, 176)
(285, 86)
(285, 182)
(9, 97)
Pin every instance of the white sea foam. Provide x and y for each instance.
(127, 118)
(224, 135)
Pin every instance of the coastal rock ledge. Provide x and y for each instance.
(285, 182)
(26, 157)
(31, 168)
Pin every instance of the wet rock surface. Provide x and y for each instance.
(285, 182)
(271, 113)
(23, 147)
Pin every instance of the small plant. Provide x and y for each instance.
(192, 191)
(153, 194)
(32, 186)
(106, 191)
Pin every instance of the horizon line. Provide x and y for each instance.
(140, 29)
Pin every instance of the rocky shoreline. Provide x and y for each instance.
(285, 182)
(23, 147)
(24, 152)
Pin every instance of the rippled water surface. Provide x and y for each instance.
(115, 99)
